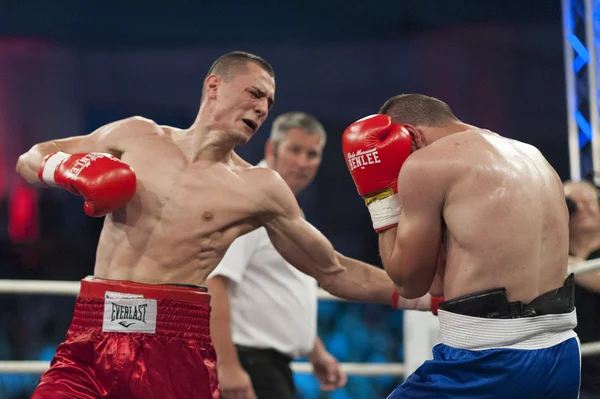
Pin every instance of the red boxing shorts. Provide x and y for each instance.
(132, 340)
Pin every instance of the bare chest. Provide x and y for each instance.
(212, 199)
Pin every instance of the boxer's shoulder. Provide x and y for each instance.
(458, 152)
(119, 136)
(272, 192)
(139, 125)
(264, 178)
(434, 160)
(454, 145)
(438, 165)
(129, 129)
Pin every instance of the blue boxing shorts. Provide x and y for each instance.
(493, 348)
(525, 358)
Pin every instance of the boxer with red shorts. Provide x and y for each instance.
(134, 340)
(174, 200)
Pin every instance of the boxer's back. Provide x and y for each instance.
(183, 217)
(505, 215)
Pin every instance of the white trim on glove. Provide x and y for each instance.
(50, 165)
(385, 212)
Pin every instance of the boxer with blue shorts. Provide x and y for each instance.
(480, 220)
(493, 349)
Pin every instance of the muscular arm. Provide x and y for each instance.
(304, 247)
(220, 321)
(410, 251)
(111, 138)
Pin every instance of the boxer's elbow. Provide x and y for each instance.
(27, 167)
(412, 291)
(25, 159)
(395, 271)
(21, 164)
(414, 284)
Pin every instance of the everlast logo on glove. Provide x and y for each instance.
(129, 314)
(362, 158)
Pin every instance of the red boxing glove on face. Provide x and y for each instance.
(105, 182)
(375, 149)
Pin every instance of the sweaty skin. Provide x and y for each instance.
(497, 208)
(195, 196)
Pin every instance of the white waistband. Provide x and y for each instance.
(475, 333)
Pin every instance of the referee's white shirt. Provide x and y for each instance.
(273, 305)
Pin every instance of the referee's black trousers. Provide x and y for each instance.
(269, 371)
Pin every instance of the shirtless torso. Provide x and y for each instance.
(174, 201)
(504, 220)
(194, 196)
(184, 215)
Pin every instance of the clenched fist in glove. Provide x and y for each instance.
(105, 182)
(375, 149)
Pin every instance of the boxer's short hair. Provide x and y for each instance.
(296, 120)
(418, 109)
(230, 64)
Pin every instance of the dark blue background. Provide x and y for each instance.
(67, 67)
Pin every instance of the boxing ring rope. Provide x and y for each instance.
(354, 369)
(71, 288)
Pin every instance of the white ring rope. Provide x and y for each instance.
(71, 288)
(52, 287)
(354, 369)
(586, 267)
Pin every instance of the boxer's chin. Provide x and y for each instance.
(239, 137)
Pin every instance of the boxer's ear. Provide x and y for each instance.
(211, 85)
(417, 137)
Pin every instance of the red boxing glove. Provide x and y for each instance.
(105, 182)
(375, 149)
(435, 303)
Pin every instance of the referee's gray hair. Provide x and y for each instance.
(296, 120)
